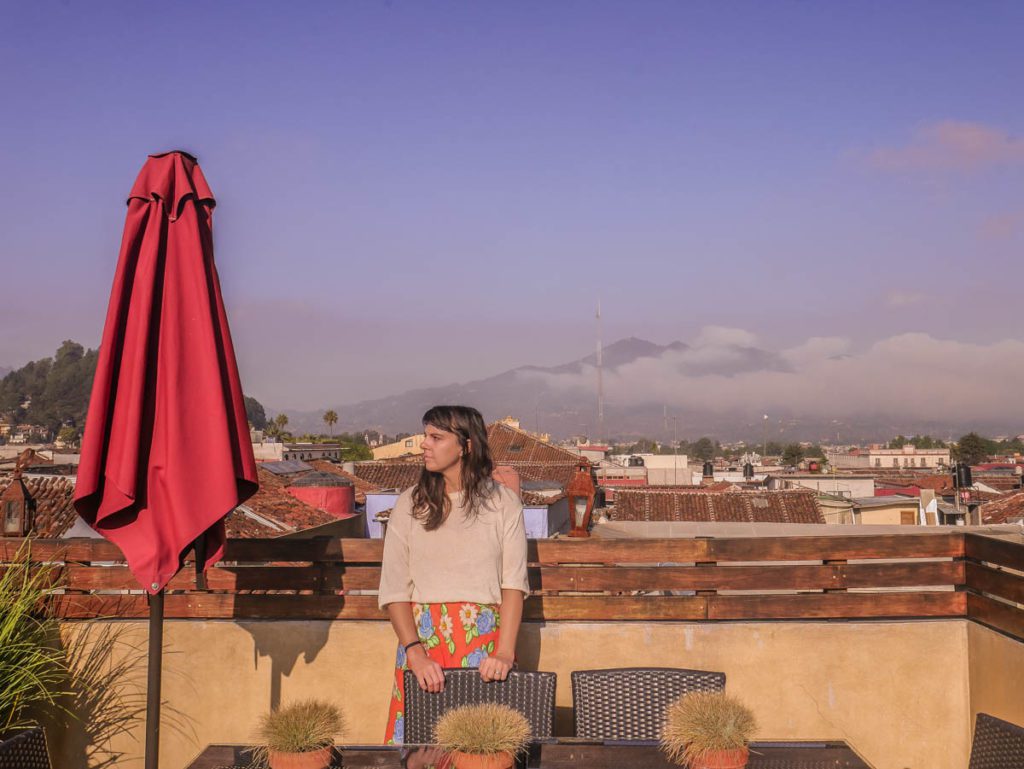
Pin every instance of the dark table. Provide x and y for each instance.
(566, 753)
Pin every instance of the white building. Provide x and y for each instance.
(876, 457)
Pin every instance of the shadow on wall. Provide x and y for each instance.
(285, 648)
(107, 698)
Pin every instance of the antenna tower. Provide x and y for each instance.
(600, 378)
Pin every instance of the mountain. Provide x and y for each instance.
(561, 400)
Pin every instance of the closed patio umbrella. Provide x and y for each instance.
(166, 453)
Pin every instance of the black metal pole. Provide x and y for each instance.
(156, 653)
(200, 554)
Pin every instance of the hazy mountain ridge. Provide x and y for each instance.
(561, 400)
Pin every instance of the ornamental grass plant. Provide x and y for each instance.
(701, 723)
(301, 727)
(483, 729)
(34, 672)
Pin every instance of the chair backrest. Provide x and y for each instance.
(26, 750)
(531, 693)
(629, 703)
(997, 744)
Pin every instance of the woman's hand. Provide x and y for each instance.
(424, 758)
(496, 667)
(428, 673)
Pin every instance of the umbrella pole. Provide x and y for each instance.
(156, 653)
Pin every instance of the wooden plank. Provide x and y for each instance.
(837, 605)
(789, 577)
(833, 548)
(334, 577)
(323, 578)
(995, 614)
(224, 606)
(321, 549)
(81, 550)
(1001, 552)
(313, 607)
(611, 551)
(618, 608)
(1002, 584)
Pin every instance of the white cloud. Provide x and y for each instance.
(911, 376)
(722, 336)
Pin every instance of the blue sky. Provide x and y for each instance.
(417, 193)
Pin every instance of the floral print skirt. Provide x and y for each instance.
(455, 635)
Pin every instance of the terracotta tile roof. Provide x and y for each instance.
(362, 486)
(390, 475)
(1002, 482)
(509, 444)
(1007, 509)
(55, 511)
(687, 504)
(560, 472)
(272, 511)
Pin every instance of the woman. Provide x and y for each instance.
(453, 577)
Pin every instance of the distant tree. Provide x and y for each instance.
(898, 442)
(255, 413)
(331, 419)
(703, 449)
(792, 454)
(68, 435)
(972, 449)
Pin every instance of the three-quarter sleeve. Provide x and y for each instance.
(395, 576)
(513, 550)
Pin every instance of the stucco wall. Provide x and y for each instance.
(897, 691)
(996, 665)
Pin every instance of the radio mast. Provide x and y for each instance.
(600, 378)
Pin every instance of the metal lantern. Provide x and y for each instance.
(580, 493)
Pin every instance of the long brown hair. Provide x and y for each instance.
(430, 502)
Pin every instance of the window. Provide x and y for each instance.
(878, 462)
(408, 443)
(12, 519)
(923, 463)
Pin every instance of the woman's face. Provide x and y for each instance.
(441, 449)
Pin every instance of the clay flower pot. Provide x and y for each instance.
(314, 759)
(481, 760)
(722, 759)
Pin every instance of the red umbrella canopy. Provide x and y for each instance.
(166, 453)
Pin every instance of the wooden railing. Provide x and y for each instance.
(845, 577)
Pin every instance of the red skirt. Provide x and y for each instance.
(455, 635)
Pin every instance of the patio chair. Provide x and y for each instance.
(997, 744)
(26, 750)
(629, 704)
(531, 693)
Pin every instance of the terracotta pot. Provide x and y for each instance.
(723, 759)
(314, 759)
(482, 760)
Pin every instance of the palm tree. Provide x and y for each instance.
(331, 418)
(281, 422)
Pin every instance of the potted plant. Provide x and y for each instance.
(708, 730)
(483, 736)
(33, 666)
(300, 735)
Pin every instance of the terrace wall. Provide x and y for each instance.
(891, 642)
(899, 692)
